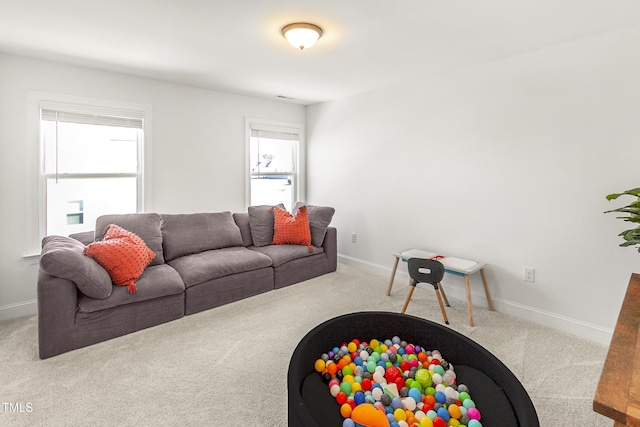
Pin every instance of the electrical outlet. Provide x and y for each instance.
(529, 274)
(354, 238)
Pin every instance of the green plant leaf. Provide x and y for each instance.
(630, 243)
(631, 237)
(633, 192)
(628, 235)
(626, 209)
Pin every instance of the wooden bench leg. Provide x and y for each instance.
(469, 306)
(393, 275)
(486, 289)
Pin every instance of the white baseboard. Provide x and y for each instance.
(457, 291)
(20, 309)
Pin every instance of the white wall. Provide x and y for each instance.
(507, 162)
(197, 152)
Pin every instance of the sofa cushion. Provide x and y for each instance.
(62, 257)
(281, 254)
(84, 237)
(157, 281)
(123, 254)
(145, 225)
(242, 220)
(185, 234)
(319, 219)
(261, 224)
(201, 267)
(291, 229)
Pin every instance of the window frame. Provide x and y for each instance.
(38, 101)
(299, 191)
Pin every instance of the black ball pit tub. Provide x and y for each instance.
(498, 394)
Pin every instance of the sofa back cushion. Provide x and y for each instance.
(319, 219)
(242, 220)
(185, 234)
(261, 223)
(145, 225)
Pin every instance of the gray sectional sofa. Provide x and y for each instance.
(203, 260)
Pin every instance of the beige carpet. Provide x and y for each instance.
(228, 366)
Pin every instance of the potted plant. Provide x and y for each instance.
(632, 236)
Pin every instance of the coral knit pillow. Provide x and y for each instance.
(291, 230)
(123, 254)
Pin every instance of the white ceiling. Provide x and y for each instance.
(236, 45)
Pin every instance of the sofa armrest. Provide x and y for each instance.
(57, 304)
(330, 246)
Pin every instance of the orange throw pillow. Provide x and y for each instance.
(123, 254)
(291, 230)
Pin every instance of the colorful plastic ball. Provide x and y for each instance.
(440, 397)
(474, 423)
(319, 365)
(473, 414)
(450, 393)
(468, 403)
(392, 373)
(439, 422)
(425, 422)
(463, 395)
(415, 394)
(345, 410)
(454, 411)
(334, 390)
(345, 387)
(341, 398)
(348, 422)
(358, 397)
(436, 378)
(385, 399)
(332, 368)
(399, 414)
(448, 378)
(410, 403)
(444, 414)
(396, 403)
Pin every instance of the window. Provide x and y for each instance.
(90, 164)
(274, 164)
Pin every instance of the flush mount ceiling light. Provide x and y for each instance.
(301, 34)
